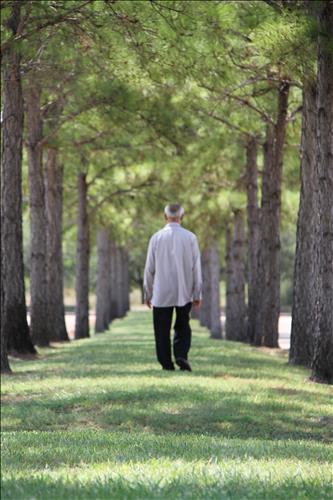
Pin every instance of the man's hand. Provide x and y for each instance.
(197, 303)
(148, 303)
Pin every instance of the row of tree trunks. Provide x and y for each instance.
(112, 289)
(55, 295)
(304, 310)
(267, 317)
(210, 311)
(82, 261)
(235, 327)
(322, 363)
(14, 326)
(45, 185)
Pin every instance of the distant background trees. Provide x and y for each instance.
(113, 109)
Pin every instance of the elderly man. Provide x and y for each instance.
(172, 280)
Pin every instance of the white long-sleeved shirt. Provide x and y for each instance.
(172, 274)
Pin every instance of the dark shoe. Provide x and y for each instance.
(183, 364)
(170, 368)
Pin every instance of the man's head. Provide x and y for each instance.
(174, 212)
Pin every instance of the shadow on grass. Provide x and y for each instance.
(140, 398)
(165, 409)
(72, 448)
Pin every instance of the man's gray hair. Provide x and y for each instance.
(174, 210)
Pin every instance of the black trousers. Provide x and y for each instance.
(162, 317)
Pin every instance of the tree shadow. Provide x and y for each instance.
(183, 409)
(72, 448)
(236, 405)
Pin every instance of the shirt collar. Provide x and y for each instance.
(172, 224)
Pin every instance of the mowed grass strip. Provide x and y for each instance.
(99, 419)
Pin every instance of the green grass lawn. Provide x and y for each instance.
(99, 419)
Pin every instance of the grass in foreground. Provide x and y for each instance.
(98, 419)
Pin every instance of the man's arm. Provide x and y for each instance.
(149, 273)
(197, 276)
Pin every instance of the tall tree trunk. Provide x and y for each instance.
(322, 363)
(306, 264)
(270, 247)
(215, 303)
(126, 281)
(4, 366)
(38, 222)
(120, 283)
(82, 262)
(103, 292)
(205, 317)
(14, 326)
(253, 221)
(142, 292)
(113, 283)
(53, 189)
(263, 238)
(210, 311)
(228, 282)
(235, 303)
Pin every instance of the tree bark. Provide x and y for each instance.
(210, 311)
(53, 189)
(215, 305)
(270, 248)
(263, 238)
(103, 292)
(120, 283)
(14, 326)
(253, 221)
(5, 368)
(126, 281)
(205, 317)
(82, 262)
(306, 264)
(228, 281)
(322, 363)
(38, 223)
(235, 303)
(113, 283)
(142, 292)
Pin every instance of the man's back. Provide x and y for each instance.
(173, 273)
(172, 281)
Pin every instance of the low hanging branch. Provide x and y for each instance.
(265, 116)
(119, 192)
(59, 19)
(221, 119)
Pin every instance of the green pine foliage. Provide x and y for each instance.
(153, 100)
